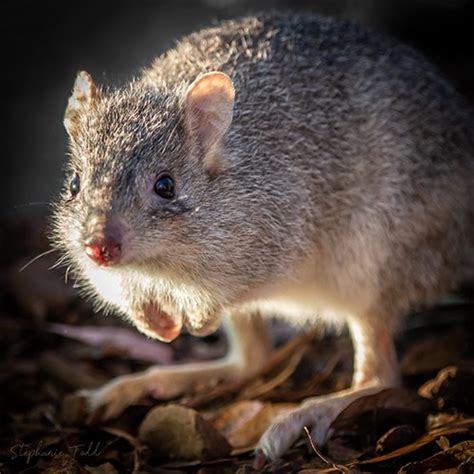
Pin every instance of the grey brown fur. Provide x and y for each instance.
(347, 174)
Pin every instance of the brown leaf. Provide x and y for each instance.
(247, 435)
(461, 426)
(433, 353)
(360, 425)
(436, 420)
(106, 468)
(232, 417)
(397, 437)
(445, 461)
(243, 422)
(385, 405)
(63, 463)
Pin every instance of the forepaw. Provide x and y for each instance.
(114, 397)
(111, 399)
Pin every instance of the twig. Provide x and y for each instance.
(259, 390)
(277, 358)
(460, 426)
(337, 467)
(132, 440)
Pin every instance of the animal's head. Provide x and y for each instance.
(156, 215)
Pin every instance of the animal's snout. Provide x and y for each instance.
(103, 240)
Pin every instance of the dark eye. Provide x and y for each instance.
(164, 187)
(75, 185)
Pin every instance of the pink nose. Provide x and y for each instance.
(103, 251)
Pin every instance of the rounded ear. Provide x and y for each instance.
(209, 103)
(84, 93)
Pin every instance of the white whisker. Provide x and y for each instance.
(66, 274)
(36, 258)
(28, 204)
(59, 262)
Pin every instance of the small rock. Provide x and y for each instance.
(178, 432)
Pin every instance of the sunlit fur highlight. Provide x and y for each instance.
(345, 186)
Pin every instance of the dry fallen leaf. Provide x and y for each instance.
(433, 352)
(454, 428)
(243, 422)
(106, 468)
(64, 463)
(397, 437)
(364, 421)
(436, 420)
(448, 459)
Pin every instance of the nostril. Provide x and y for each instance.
(103, 251)
(103, 238)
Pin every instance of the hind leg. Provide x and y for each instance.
(375, 368)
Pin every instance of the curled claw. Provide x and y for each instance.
(112, 399)
(99, 408)
(259, 461)
(96, 416)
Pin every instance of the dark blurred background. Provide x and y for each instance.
(46, 42)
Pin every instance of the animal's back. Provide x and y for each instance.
(377, 143)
